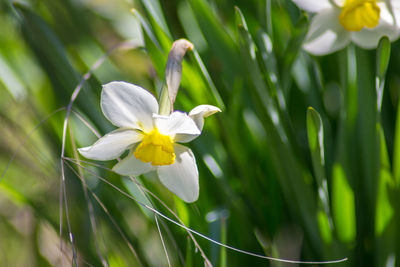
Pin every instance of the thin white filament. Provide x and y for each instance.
(110, 217)
(63, 195)
(145, 191)
(202, 235)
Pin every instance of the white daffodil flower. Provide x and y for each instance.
(339, 22)
(152, 139)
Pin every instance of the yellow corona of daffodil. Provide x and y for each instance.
(339, 22)
(152, 139)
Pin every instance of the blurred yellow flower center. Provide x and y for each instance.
(156, 148)
(357, 14)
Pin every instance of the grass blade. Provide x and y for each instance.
(315, 131)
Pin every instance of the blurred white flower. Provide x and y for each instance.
(339, 22)
(152, 139)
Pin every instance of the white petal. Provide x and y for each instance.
(385, 13)
(112, 145)
(197, 114)
(326, 35)
(130, 165)
(369, 38)
(395, 9)
(182, 177)
(128, 105)
(200, 112)
(176, 123)
(338, 3)
(313, 5)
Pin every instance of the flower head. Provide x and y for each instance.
(152, 139)
(339, 22)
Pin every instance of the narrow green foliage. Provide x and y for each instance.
(217, 97)
(396, 153)
(343, 205)
(315, 132)
(222, 254)
(304, 157)
(294, 178)
(153, 8)
(53, 59)
(382, 63)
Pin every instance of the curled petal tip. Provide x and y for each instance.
(204, 110)
(213, 111)
(183, 44)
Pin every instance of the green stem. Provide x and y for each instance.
(164, 102)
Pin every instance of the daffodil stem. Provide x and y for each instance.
(165, 106)
(223, 262)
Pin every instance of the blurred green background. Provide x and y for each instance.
(277, 178)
